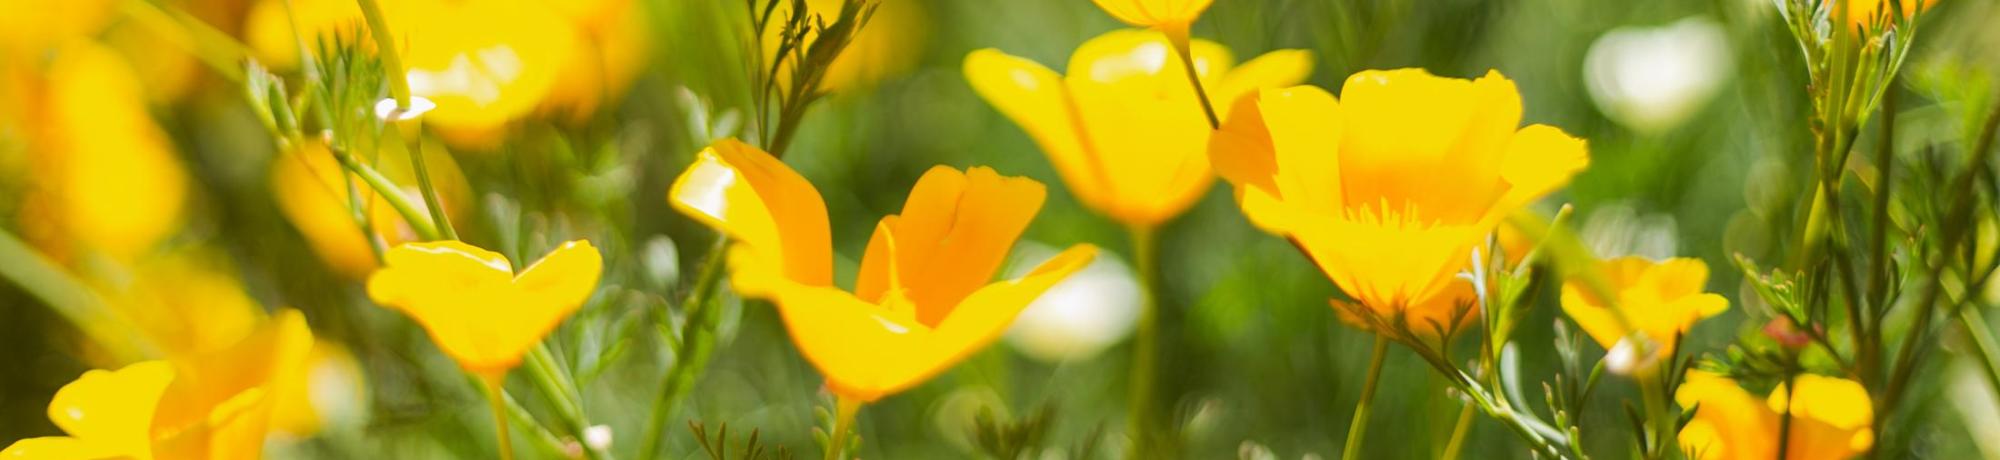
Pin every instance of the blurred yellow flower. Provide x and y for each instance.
(1860, 13)
(312, 192)
(110, 180)
(184, 302)
(28, 27)
(1389, 189)
(1124, 128)
(327, 390)
(1170, 16)
(476, 308)
(483, 63)
(1660, 300)
(1830, 419)
(213, 406)
(612, 42)
(921, 302)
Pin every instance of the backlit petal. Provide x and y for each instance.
(1276, 69)
(218, 405)
(1149, 13)
(1306, 126)
(955, 230)
(761, 203)
(1540, 159)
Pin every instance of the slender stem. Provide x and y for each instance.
(70, 298)
(385, 46)
(1458, 432)
(218, 50)
(413, 144)
(843, 423)
(495, 397)
(1358, 428)
(1178, 35)
(1654, 395)
(389, 192)
(1982, 339)
(1785, 420)
(1141, 417)
(697, 338)
(556, 385)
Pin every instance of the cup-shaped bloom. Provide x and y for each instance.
(921, 302)
(476, 308)
(1166, 15)
(1124, 128)
(1658, 301)
(214, 406)
(1389, 188)
(1830, 419)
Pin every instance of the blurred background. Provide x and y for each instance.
(143, 173)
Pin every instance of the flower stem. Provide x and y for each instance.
(389, 192)
(697, 339)
(843, 423)
(1458, 432)
(385, 46)
(560, 390)
(1660, 425)
(1358, 428)
(413, 144)
(1141, 419)
(1178, 35)
(1982, 340)
(70, 298)
(494, 399)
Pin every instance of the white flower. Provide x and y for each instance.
(1652, 79)
(1080, 316)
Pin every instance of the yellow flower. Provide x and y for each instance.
(1124, 128)
(1660, 300)
(921, 302)
(213, 406)
(28, 27)
(327, 390)
(1830, 419)
(185, 302)
(1860, 13)
(483, 62)
(1166, 15)
(113, 183)
(311, 191)
(1390, 188)
(476, 308)
(611, 48)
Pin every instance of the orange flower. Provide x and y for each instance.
(922, 302)
(1660, 301)
(1389, 189)
(1830, 419)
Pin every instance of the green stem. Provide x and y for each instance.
(1654, 395)
(385, 46)
(556, 385)
(1141, 418)
(413, 144)
(389, 192)
(1459, 430)
(697, 339)
(1358, 428)
(1982, 339)
(70, 298)
(843, 423)
(1178, 36)
(495, 398)
(218, 50)
(1785, 420)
